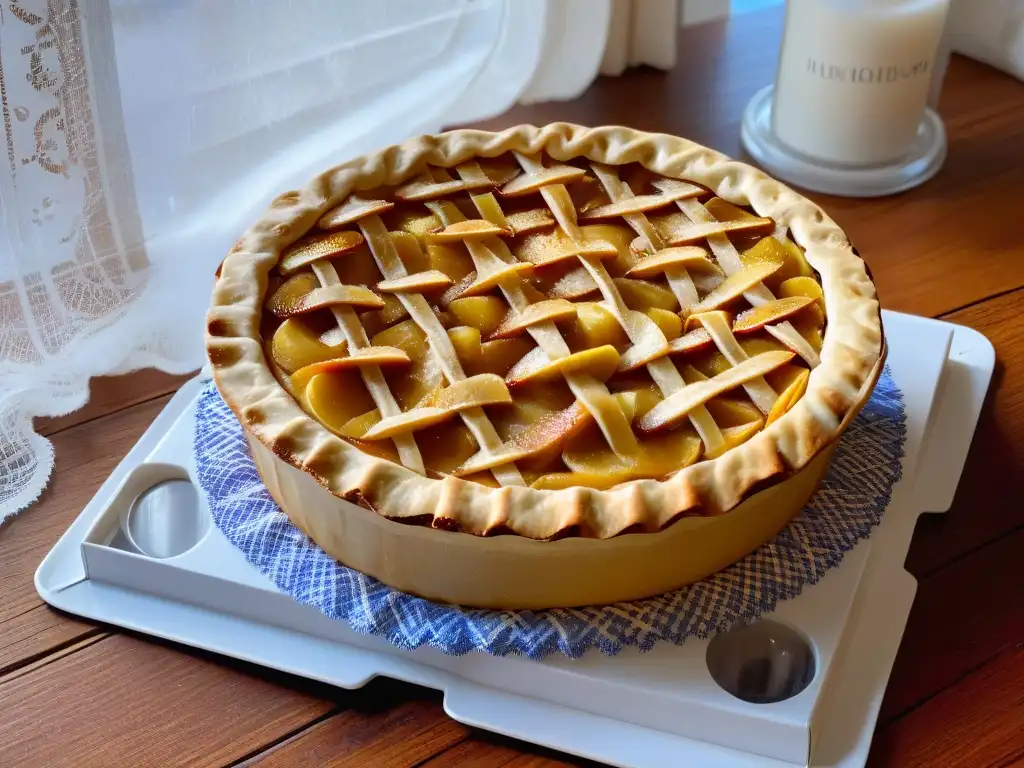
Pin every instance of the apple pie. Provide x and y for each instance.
(553, 332)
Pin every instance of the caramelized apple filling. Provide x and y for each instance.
(522, 321)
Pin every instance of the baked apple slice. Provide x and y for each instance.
(295, 344)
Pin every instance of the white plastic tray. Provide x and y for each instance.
(636, 709)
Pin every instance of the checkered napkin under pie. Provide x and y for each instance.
(848, 505)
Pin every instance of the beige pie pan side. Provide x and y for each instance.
(513, 572)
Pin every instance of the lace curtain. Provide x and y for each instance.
(142, 135)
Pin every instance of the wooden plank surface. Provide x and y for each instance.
(36, 633)
(403, 726)
(108, 394)
(963, 616)
(125, 701)
(984, 510)
(489, 751)
(955, 692)
(85, 456)
(974, 723)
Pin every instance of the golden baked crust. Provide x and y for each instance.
(850, 357)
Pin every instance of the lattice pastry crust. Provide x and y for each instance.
(525, 213)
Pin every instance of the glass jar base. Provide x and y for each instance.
(923, 161)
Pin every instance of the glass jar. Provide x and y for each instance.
(854, 77)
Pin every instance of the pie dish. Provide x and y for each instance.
(624, 351)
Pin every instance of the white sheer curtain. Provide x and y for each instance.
(991, 31)
(142, 135)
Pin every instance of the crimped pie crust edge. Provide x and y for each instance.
(853, 347)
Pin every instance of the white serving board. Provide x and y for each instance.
(636, 709)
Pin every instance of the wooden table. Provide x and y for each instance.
(72, 693)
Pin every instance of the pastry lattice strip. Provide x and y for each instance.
(392, 268)
(682, 286)
(491, 256)
(373, 378)
(729, 259)
(394, 422)
(497, 267)
(640, 329)
(703, 227)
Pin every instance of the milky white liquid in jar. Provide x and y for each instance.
(854, 77)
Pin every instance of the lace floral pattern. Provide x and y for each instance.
(71, 263)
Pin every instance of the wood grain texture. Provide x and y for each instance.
(963, 615)
(108, 394)
(404, 726)
(37, 632)
(124, 701)
(490, 751)
(30, 667)
(988, 499)
(85, 455)
(976, 723)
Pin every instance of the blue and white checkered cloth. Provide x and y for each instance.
(848, 505)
